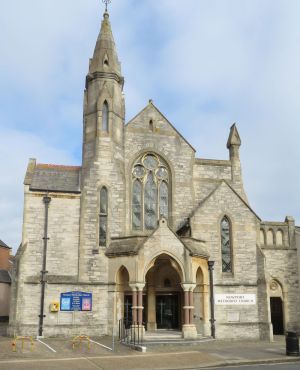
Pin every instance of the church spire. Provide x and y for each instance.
(105, 58)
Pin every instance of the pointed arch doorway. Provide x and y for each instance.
(164, 294)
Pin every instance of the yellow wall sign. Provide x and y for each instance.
(54, 306)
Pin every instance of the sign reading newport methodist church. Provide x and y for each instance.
(76, 301)
(235, 299)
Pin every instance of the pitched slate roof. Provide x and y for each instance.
(2, 244)
(125, 246)
(195, 246)
(4, 276)
(50, 177)
(132, 244)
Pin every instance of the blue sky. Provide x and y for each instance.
(206, 64)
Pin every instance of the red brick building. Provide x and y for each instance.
(5, 280)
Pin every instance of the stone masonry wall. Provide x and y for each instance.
(63, 233)
(167, 142)
(281, 265)
(243, 280)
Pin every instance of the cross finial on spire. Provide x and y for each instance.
(106, 2)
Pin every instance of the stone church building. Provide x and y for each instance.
(147, 232)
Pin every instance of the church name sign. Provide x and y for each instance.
(235, 299)
(76, 301)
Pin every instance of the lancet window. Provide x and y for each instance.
(226, 245)
(150, 192)
(105, 116)
(103, 216)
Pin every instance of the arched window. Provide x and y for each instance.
(164, 199)
(151, 125)
(270, 237)
(103, 216)
(279, 237)
(262, 237)
(150, 196)
(150, 192)
(105, 116)
(137, 205)
(226, 245)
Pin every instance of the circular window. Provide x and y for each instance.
(162, 173)
(150, 162)
(139, 171)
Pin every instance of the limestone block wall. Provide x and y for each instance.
(243, 280)
(63, 233)
(297, 242)
(164, 140)
(107, 170)
(274, 234)
(264, 314)
(282, 266)
(74, 323)
(60, 323)
(207, 174)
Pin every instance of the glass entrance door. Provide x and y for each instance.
(167, 311)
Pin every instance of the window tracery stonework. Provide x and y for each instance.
(150, 192)
(226, 245)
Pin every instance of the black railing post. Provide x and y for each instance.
(212, 303)
(46, 201)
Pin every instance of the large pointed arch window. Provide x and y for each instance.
(226, 245)
(150, 192)
(105, 116)
(103, 216)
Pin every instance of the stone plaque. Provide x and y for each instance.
(233, 317)
(235, 299)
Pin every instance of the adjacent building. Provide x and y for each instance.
(5, 280)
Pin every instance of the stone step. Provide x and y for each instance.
(176, 342)
(162, 334)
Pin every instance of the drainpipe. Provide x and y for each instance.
(212, 304)
(46, 201)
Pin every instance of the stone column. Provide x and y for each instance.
(192, 308)
(186, 308)
(189, 330)
(151, 314)
(134, 304)
(140, 307)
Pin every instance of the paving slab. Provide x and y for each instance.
(206, 354)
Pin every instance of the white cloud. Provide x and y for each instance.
(206, 64)
(16, 148)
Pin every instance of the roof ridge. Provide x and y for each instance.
(57, 166)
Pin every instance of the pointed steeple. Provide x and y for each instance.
(233, 144)
(105, 58)
(234, 137)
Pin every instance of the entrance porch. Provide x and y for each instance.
(164, 302)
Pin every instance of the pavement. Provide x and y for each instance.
(58, 353)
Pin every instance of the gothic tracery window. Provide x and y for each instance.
(103, 216)
(150, 192)
(105, 116)
(226, 245)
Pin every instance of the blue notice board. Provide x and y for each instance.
(76, 301)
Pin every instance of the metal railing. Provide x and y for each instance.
(131, 333)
